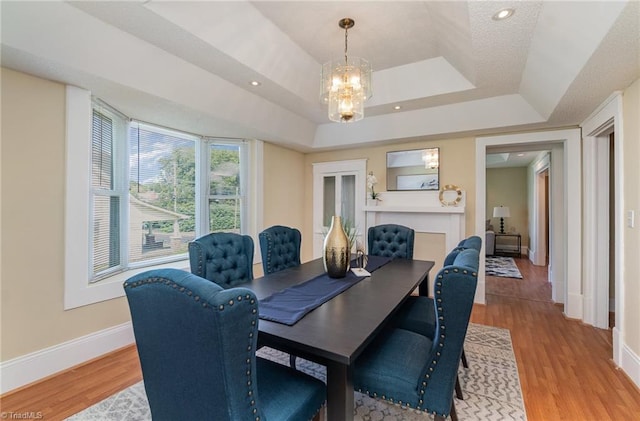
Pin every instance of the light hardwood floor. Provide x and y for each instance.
(565, 367)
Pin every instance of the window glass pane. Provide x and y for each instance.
(329, 202)
(225, 192)
(106, 233)
(225, 215)
(161, 192)
(348, 202)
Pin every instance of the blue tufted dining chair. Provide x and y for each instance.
(280, 248)
(197, 347)
(418, 314)
(413, 370)
(473, 242)
(222, 257)
(391, 240)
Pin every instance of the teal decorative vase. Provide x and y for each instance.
(336, 253)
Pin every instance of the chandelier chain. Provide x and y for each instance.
(346, 34)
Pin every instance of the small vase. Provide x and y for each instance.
(372, 202)
(336, 253)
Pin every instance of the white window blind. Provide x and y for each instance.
(106, 201)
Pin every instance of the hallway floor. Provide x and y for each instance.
(566, 368)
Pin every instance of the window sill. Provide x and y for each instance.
(82, 293)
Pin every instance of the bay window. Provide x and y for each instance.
(149, 191)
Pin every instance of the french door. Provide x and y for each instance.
(339, 188)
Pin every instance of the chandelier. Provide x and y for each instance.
(346, 85)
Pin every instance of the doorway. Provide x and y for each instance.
(565, 211)
(603, 213)
(612, 231)
(540, 218)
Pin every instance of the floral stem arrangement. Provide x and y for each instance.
(371, 182)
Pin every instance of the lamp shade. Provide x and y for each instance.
(501, 212)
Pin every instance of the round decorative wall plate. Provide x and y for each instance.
(450, 195)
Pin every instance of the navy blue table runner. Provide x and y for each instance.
(291, 304)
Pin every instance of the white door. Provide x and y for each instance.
(339, 188)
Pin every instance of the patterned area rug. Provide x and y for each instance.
(491, 387)
(502, 266)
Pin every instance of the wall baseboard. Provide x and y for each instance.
(631, 364)
(29, 368)
(32, 367)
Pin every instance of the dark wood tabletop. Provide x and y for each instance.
(335, 333)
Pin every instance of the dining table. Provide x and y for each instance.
(336, 332)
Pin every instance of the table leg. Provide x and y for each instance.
(423, 289)
(340, 395)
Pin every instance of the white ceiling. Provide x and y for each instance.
(511, 159)
(453, 69)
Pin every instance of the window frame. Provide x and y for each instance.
(203, 194)
(79, 291)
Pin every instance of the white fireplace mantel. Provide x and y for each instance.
(422, 211)
(414, 209)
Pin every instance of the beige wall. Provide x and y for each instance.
(284, 191)
(508, 187)
(631, 152)
(283, 187)
(457, 166)
(33, 187)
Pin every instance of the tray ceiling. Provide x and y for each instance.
(451, 68)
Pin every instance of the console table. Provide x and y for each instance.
(507, 249)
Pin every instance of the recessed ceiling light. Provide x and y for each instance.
(503, 14)
(255, 83)
(520, 154)
(397, 107)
